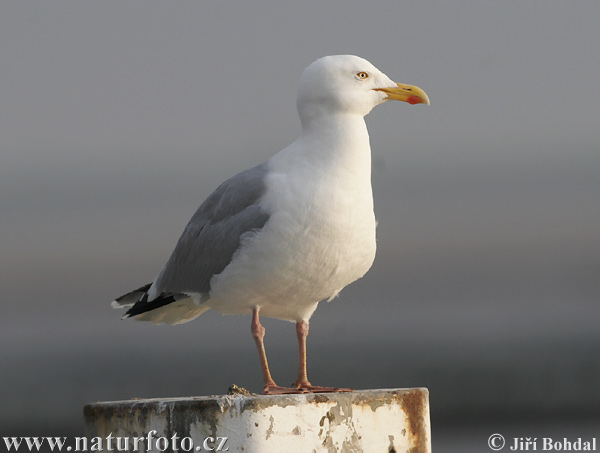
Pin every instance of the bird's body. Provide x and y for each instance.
(320, 235)
(282, 236)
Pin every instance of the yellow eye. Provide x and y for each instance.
(362, 75)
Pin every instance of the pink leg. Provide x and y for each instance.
(302, 381)
(258, 332)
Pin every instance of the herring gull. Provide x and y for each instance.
(278, 238)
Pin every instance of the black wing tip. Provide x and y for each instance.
(141, 290)
(143, 306)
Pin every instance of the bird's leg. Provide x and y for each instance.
(302, 382)
(258, 332)
(302, 332)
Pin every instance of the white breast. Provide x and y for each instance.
(319, 238)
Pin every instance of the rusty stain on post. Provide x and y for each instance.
(415, 404)
(387, 420)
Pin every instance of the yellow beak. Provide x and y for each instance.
(406, 93)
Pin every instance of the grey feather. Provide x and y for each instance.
(212, 236)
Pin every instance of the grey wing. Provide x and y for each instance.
(213, 234)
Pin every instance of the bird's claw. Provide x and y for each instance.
(273, 389)
(309, 388)
(319, 389)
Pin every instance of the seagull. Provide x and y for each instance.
(280, 237)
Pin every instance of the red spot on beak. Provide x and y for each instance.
(414, 100)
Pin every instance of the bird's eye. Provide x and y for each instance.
(362, 75)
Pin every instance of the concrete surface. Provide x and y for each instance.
(383, 420)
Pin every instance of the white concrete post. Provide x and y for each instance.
(387, 420)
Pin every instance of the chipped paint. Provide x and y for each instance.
(270, 429)
(371, 420)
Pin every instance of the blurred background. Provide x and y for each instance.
(119, 118)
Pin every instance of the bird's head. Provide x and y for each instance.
(350, 84)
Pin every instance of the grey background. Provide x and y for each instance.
(119, 118)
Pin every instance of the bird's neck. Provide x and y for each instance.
(341, 140)
(328, 165)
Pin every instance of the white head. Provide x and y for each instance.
(347, 84)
